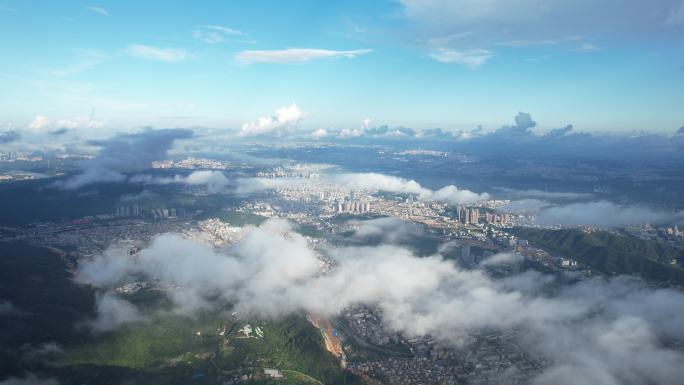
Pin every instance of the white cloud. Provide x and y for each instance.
(157, 53)
(226, 30)
(365, 123)
(369, 181)
(372, 181)
(471, 58)
(215, 181)
(214, 34)
(320, 133)
(98, 10)
(80, 122)
(596, 331)
(39, 123)
(42, 124)
(588, 47)
(523, 23)
(113, 312)
(295, 55)
(285, 118)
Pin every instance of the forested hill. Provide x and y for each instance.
(610, 253)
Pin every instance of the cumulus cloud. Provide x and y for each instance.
(39, 123)
(285, 119)
(42, 124)
(681, 130)
(522, 139)
(558, 132)
(603, 213)
(523, 124)
(296, 55)
(365, 123)
(599, 331)
(156, 53)
(320, 133)
(125, 153)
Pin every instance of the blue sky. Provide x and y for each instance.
(615, 66)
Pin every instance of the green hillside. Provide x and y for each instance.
(610, 253)
(50, 307)
(171, 346)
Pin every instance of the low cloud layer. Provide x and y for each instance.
(523, 139)
(605, 214)
(543, 194)
(9, 136)
(125, 153)
(596, 331)
(214, 181)
(112, 313)
(369, 181)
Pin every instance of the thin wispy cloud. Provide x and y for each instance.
(98, 10)
(530, 43)
(588, 48)
(471, 58)
(156, 53)
(87, 59)
(226, 30)
(214, 34)
(296, 55)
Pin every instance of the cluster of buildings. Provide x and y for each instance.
(353, 207)
(671, 235)
(489, 356)
(192, 164)
(12, 156)
(134, 211)
(90, 238)
(298, 170)
(218, 233)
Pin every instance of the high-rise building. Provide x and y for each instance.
(474, 216)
